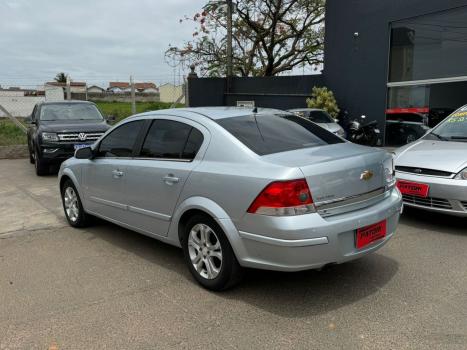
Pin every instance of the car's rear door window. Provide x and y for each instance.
(171, 140)
(121, 141)
(268, 134)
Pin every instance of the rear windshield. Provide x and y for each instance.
(268, 134)
(70, 111)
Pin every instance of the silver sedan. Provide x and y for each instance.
(236, 188)
(432, 172)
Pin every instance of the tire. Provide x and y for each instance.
(31, 157)
(72, 206)
(206, 246)
(42, 168)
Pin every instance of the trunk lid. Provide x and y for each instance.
(338, 171)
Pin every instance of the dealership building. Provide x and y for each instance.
(397, 57)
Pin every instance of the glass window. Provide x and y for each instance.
(320, 117)
(429, 47)
(454, 128)
(121, 141)
(171, 140)
(268, 134)
(195, 140)
(70, 111)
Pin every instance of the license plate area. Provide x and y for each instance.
(413, 188)
(370, 234)
(80, 146)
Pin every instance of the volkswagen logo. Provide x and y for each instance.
(366, 175)
(82, 136)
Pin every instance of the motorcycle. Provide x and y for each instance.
(364, 134)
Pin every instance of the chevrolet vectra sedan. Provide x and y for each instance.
(236, 188)
(432, 172)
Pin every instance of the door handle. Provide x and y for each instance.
(117, 174)
(170, 179)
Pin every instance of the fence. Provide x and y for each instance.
(119, 99)
(283, 92)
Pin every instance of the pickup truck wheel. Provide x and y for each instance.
(74, 212)
(42, 168)
(31, 157)
(208, 254)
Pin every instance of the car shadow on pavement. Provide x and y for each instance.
(293, 295)
(308, 293)
(425, 220)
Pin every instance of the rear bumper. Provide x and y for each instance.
(448, 196)
(311, 242)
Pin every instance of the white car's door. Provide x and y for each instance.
(105, 175)
(157, 175)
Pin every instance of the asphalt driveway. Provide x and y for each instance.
(108, 288)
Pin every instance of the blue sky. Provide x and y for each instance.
(92, 40)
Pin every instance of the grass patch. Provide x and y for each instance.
(121, 110)
(10, 134)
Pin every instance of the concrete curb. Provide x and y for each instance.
(14, 152)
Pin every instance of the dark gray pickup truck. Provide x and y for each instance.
(57, 129)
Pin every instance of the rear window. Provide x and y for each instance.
(268, 134)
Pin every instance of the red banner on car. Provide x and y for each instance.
(407, 110)
(369, 234)
(413, 188)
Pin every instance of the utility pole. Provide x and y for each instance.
(229, 39)
(68, 87)
(133, 98)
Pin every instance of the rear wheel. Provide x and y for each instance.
(42, 168)
(72, 206)
(208, 254)
(31, 156)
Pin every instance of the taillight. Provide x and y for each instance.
(284, 198)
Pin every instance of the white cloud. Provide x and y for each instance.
(95, 40)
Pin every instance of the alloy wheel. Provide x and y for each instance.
(71, 204)
(205, 251)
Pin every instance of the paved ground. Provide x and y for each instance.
(109, 288)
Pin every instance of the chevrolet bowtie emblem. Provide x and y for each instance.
(366, 175)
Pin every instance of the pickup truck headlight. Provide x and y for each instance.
(462, 175)
(49, 136)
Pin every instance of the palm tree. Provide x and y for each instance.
(60, 78)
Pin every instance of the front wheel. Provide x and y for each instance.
(74, 212)
(42, 168)
(208, 254)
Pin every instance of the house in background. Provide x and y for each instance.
(124, 87)
(76, 87)
(94, 89)
(171, 93)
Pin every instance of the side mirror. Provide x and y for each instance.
(110, 118)
(29, 120)
(84, 153)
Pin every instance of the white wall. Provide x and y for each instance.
(170, 93)
(22, 106)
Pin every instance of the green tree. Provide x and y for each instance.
(60, 78)
(269, 37)
(323, 98)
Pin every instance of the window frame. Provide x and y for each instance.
(149, 123)
(135, 144)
